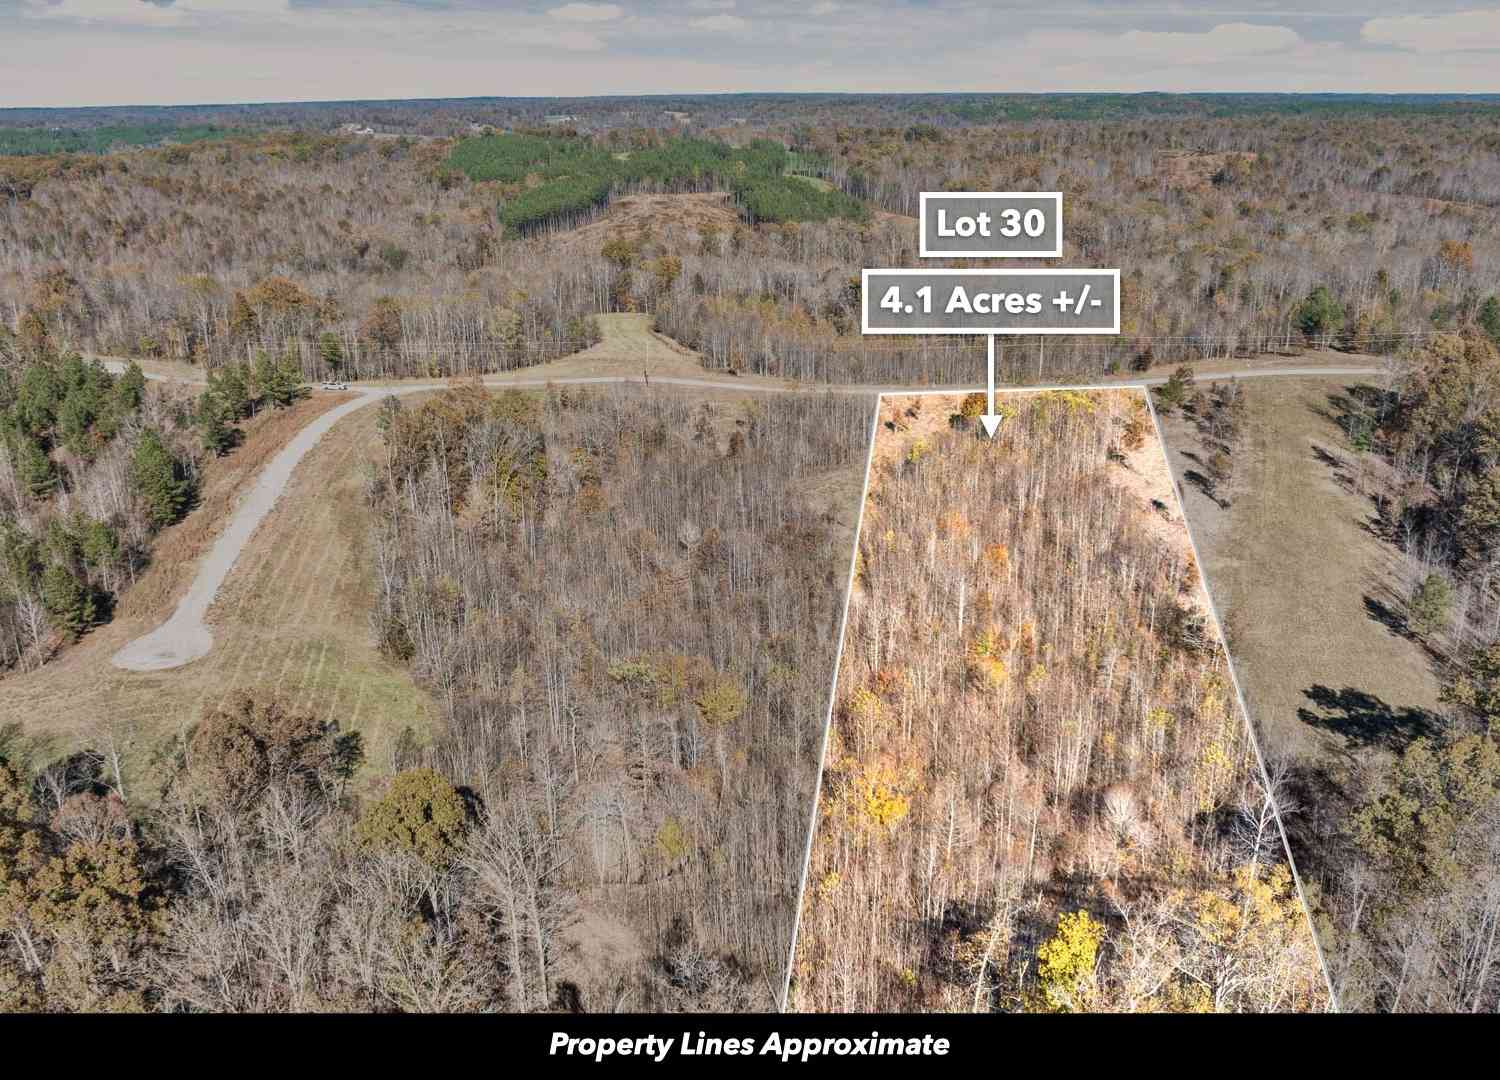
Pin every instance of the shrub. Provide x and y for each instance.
(421, 813)
(1319, 313)
(1065, 963)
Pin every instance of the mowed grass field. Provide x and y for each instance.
(292, 621)
(1299, 579)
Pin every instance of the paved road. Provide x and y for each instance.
(185, 636)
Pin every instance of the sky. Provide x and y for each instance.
(178, 52)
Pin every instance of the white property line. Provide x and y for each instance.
(1234, 678)
(185, 636)
(833, 685)
(1161, 440)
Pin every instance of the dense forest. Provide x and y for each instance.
(92, 466)
(367, 256)
(577, 177)
(65, 140)
(1039, 791)
(452, 116)
(630, 605)
(627, 605)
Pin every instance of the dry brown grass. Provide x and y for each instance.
(176, 550)
(664, 217)
(1292, 563)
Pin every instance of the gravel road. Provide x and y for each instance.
(185, 636)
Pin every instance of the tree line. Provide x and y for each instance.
(1404, 848)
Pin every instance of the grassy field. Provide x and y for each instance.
(292, 619)
(1300, 580)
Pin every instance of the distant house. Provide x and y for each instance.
(739, 121)
(678, 117)
(356, 129)
(557, 119)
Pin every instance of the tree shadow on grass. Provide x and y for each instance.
(1323, 797)
(1363, 720)
(1339, 469)
(1389, 617)
(1206, 486)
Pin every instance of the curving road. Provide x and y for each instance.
(185, 636)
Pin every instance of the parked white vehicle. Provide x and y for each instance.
(335, 386)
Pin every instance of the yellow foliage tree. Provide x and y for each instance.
(722, 702)
(875, 797)
(1066, 963)
(672, 840)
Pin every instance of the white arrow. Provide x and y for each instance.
(989, 419)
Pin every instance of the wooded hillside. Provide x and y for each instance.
(1039, 792)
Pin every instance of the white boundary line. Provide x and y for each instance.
(833, 686)
(925, 251)
(1234, 678)
(812, 829)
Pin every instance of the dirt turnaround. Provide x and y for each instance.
(185, 636)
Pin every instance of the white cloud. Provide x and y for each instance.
(151, 12)
(588, 13)
(724, 24)
(1225, 42)
(1459, 32)
(710, 5)
(235, 7)
(825, 7)
(102, 10)
(1221, 43)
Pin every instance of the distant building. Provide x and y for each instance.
(555, 120)
(356, 129)
(678, 117)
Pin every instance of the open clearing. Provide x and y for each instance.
(663, 216)
(1295, 572)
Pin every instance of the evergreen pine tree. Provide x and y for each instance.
(75, 421)
(37, 399)
(289, 385)
(130, 389)
(67, 599)
(213, 425)
(265, 376)
(34, 467)
(98, 542)
(1489, 318)
(159, 480)
(233, 390)
(331, 352)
